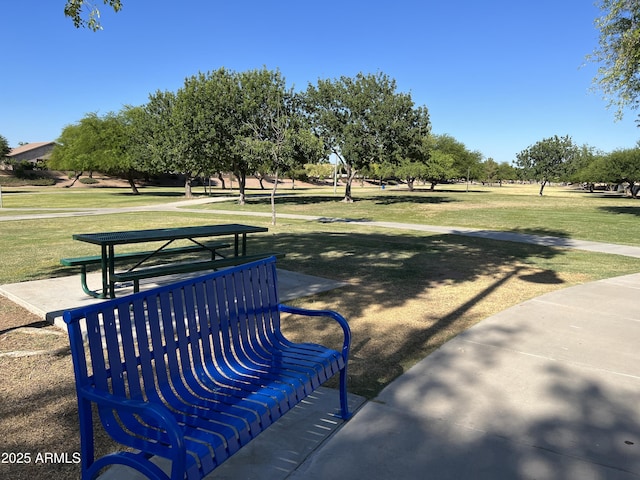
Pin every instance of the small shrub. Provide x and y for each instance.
(89, 181)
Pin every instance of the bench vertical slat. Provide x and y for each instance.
(202, 328)
(129, 344)
(241, 322)
(248, 425)
(278, 397)
(188, 388)
(85, 414)
(250, 310)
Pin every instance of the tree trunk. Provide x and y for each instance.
(351, 174)
(132, 184)
(544, 182)
(221, 178)
(242, 182)
(188, 193)
(273, 199)
(77, 176)
(410, 182)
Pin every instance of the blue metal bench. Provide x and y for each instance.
(193, 371)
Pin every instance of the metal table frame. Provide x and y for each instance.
(108, 240)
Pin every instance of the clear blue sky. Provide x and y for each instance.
(497, 75)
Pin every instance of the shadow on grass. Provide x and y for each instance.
(403, 286)
(286, 199)
(626, 210)
(126, 191)
(39, 324)
(393, 279)
(412, 199)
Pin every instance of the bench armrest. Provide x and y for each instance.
(324, 313)
(161, 417)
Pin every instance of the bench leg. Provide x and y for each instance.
(85, 287)
(345, 414)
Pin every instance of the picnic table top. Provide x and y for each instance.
(138, 236)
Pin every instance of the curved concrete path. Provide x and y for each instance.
(548, 389)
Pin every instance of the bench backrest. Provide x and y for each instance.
(131, 346)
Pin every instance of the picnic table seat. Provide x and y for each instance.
(187, 267)
(88, 260)
(193, 371)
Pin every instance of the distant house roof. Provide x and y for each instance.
(28, 147)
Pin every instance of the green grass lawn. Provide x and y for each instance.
(407, 292)
(31, 249)
(562, 211)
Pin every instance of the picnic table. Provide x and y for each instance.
(195, 234)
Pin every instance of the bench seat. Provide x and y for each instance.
(193, 371)
(175, 268)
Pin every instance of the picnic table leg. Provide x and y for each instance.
(112, 270)
(105, 278)
(85, 287)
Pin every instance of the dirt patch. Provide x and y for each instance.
(38, 412)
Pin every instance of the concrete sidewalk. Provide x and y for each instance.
(548, 389)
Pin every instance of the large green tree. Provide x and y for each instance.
(218, 121)
(191, 131)
(77, 146)
(363, 120)
(452, 159)
(413, 155)
(264, 120)
(620, 167)
(285, 145)
(548, 159)
(95, 143)
(618, 53)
